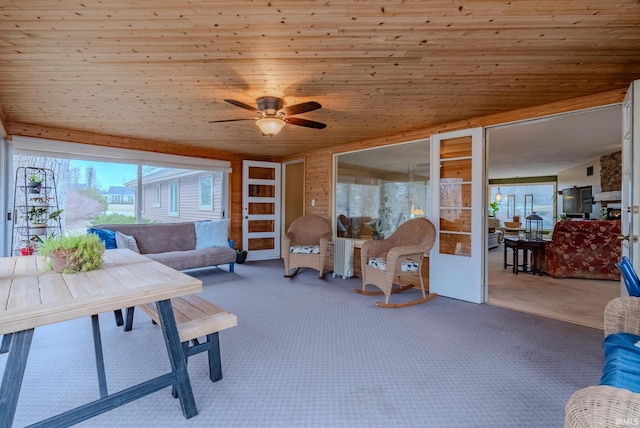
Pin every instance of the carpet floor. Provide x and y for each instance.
(312, 353)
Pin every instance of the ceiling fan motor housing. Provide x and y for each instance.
(270, 105)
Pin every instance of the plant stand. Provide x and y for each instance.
(36, 210)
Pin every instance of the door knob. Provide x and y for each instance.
(626, 238)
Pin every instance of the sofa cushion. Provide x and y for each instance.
(191, 259)
(126, 241)
(158, 237)
(211, 234)
(622, 361)
(106, 236)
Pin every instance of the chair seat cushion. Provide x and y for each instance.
(381, 263)
(622, 361)
(305, 249)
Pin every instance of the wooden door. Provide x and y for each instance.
(261, 187)
(456, 261)
(631, 177)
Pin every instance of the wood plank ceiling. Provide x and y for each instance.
(159, 70)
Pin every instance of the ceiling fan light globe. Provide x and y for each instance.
(270, 125)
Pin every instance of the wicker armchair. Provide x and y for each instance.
(305, 244)
(400, 255)
(602, 405)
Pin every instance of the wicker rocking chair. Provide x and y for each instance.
(305, 244)
(384, 262)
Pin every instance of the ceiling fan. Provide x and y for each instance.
(273, 115)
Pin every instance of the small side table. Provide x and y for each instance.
(526, 245)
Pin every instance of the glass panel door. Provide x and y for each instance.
(261, 210)
(457, 202)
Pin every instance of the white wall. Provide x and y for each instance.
(577, 176)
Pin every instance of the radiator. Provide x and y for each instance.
(343, 257)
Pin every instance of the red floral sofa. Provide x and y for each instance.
(583, 249)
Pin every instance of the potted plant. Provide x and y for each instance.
(28, 247)
(73, 252)
(376, 229)
(493, 208)
(34, 184)
(39, 216)
(241, 256)
(41, 201)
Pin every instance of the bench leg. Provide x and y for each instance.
(231, 267)
(118, 315)
(215, 365)
(6, 343)
(129, 323)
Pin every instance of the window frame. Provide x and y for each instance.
(173, 198)
(209, 206)
(157, 195)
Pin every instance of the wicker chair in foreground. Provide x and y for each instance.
(603, 405)
(305, 244)
(384, 262)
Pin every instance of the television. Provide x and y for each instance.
(577, 200)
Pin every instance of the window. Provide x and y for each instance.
(156, 196)
(174, 198)
(525, 198)
(92, 191)
(206, 193)
(390, 184)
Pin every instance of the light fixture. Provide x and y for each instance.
(270, 125)
(498, 196)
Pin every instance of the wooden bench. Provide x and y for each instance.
(195, 317)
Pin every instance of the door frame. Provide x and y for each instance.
(630, 222)
(286, 191)
(276, 200)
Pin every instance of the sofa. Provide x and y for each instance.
(583, 249)
(616, 400)
(353, 227)
(495, 236)
(185, 245)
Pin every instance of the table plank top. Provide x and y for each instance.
(31, 296)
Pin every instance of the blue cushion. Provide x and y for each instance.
(212, 234)
(621, 361)
(106, 236)
(630, 277)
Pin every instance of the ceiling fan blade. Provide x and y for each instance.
(301, 108)
(241, 105)
(306, 123)
(231, 120)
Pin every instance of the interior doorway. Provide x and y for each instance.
(546, 147)
(293, 183)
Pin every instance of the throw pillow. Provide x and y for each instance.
(212, 234)
(106, 236)
(126, 241)
(630, 277)
(621, 361)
